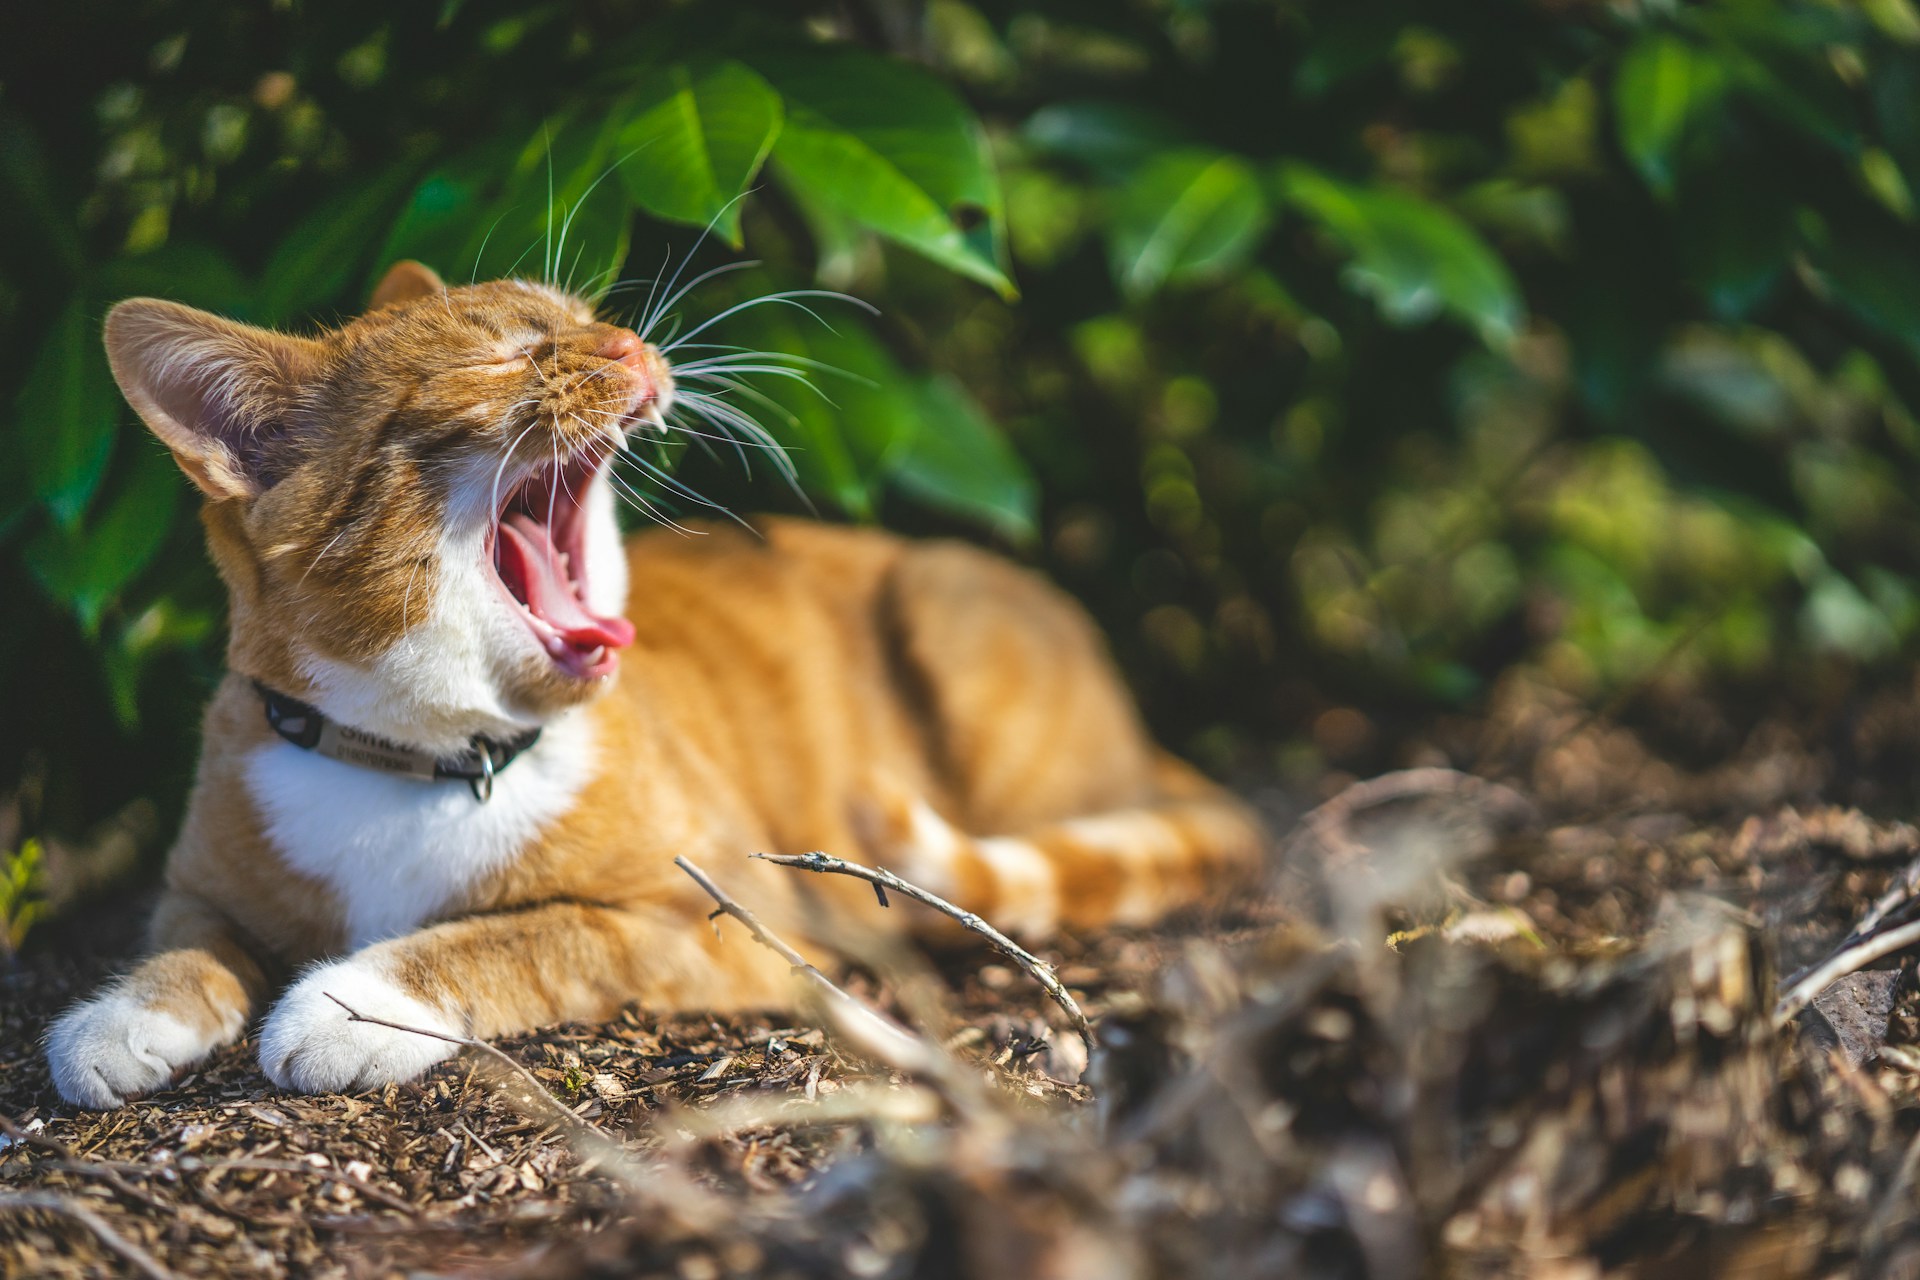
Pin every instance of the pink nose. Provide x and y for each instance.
(623, 345)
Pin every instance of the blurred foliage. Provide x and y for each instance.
(1334, 354)
(21, 900)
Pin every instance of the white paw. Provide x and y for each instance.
(311, 1045)
(113, 1047)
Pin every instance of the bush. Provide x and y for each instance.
(1330, 352)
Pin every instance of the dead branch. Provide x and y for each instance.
(871, 1031)
(881, 878)
(1849, 957)
(47, 1202)
(595, 1145)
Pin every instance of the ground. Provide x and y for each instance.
(1514, 1023)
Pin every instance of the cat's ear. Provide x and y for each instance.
(216, 392)
(405, 281)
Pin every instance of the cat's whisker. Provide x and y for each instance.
(322, 556)
(484, 242)
(754, 393)
(652, 285)
(667, 302)
(546, 263)
(648, 509)
(786, 297)
(667, 305)
(493, 503)
(722, 415)
(688, 491)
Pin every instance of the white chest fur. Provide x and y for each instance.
(397, 852)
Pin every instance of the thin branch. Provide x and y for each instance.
(596, 1144)
(1849, 958)
(882, 879)
(877, 1035)
(47, 1202)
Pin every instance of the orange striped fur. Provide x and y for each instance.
(925, 706)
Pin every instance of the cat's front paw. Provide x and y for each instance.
(310, 1044)
(115, 1046)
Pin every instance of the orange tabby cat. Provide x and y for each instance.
(423, 789)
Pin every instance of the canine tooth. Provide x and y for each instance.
(599, 652)
(651, 416)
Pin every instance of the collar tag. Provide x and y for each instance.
(354, 747)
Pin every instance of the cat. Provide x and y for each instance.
(424, 795)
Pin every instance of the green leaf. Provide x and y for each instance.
(1663, 83)
(697, 136)
(959, 461)
(1416, 259)
(85, 569)
(67, 414)
(550, 208)
(327, 250)
(892, 148)
(1186, 215)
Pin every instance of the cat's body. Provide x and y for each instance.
(926, 706)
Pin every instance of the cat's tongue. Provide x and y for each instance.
(531, 563)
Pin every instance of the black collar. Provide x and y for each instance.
(309, 730)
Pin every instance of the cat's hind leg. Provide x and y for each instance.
(193, 994)
(1190, 842)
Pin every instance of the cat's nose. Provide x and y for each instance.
(622, 345)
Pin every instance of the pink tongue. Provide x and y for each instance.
(529, 558)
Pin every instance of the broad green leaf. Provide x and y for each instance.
(84, 569)
(693, 141)
(550, 209)
(1416, 259)
(959, 461)
(327, 251)
(1662, 84)
(846, 424)
(892, 148)
(1186, 215)
(67, 414)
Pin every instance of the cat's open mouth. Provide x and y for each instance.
(539, 556)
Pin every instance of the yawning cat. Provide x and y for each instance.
(422, 781)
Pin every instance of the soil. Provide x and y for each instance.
(1514, 1022)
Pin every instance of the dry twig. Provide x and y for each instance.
(594, 1144)
(882, 879)
(47, 1202)
(1849, 957)
(876, 1035)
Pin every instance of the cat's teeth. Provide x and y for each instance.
(599, 652)
(651, 416)
(556, 646)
